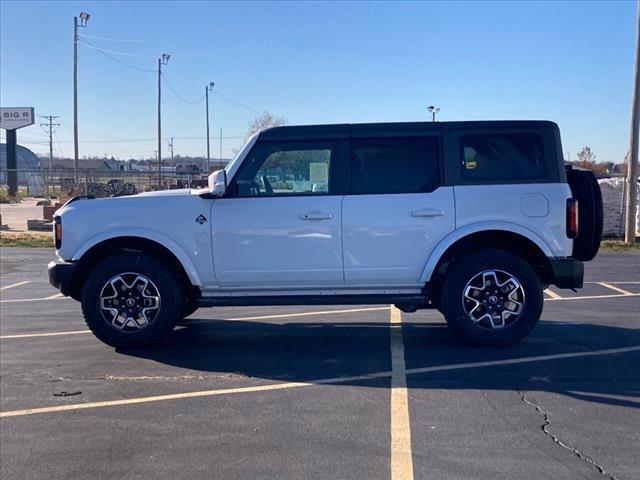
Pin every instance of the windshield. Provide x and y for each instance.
(232, 166)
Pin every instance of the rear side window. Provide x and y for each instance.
(394, 165)
(502, 156)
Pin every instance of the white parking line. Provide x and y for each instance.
(306, 314)
(614, 288)
(57, 296)
(15, 285)
(261, 317)
(590, 297)
(266, 317)
(401, 461)
(325, 381)
(46, 334)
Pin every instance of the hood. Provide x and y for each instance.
(165, 193)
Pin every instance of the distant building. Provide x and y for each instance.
(25, 159)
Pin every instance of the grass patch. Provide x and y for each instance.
(619, 246)
(19, 239)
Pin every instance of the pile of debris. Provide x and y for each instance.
(613, 191)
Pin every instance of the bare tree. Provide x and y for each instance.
(586, 157)
(264, 120)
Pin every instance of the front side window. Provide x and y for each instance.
(285, 169)
(502, 156)
(394, 165)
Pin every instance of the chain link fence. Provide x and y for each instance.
(39, 192)
(99, 183)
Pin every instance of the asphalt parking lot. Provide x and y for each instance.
(354, 392)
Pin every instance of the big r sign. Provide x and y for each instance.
(12, 118)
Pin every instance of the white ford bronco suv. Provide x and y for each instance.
(474, 219)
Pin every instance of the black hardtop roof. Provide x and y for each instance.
(395, 129)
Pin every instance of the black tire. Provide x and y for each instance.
(188, 308)
(163, 282)
(479, 333)
(585, 188)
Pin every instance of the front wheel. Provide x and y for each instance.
(131, 300)
(492, 298)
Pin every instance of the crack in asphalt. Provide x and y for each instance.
(545, 428)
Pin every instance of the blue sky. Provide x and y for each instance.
(318, 62)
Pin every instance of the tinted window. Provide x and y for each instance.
(394, 165)
(504, 156)
(285, 169)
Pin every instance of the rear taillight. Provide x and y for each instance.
(57, 231)
(572, 218)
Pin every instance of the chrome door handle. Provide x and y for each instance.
(316, 216)
(427, 212)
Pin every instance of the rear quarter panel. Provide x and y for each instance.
(539, 208)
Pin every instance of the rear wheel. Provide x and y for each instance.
(131, 300)
(491, 298)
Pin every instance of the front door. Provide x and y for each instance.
(279, 224)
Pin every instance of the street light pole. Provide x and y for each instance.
(75, 98)
(84, 17)
(207, 89)
(632, 167)
(163, 60)
(433, 109)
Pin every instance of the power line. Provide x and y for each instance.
(192, 102)
(102, 52)
(127, 140)
(51, 118)
(167, 82)
(236, 103)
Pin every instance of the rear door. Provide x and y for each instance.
(397, 211)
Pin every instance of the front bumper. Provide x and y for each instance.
(567, 272)
(61, 275)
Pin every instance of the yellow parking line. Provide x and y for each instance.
(401, 461)
(157, 398)
(15, 285)
(614, 288)
(54, 296)
(552, 294)
(324, 381)
(80, 406)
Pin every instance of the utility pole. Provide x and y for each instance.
(433, 111)
(207, 89)
(632, 169)
(84, 18)
(220, 157)
(51, 118)
(163, 60)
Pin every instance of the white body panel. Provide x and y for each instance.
(277, 241)
(388, 238)
(317, 245)
(167, 218)
(538, 208)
